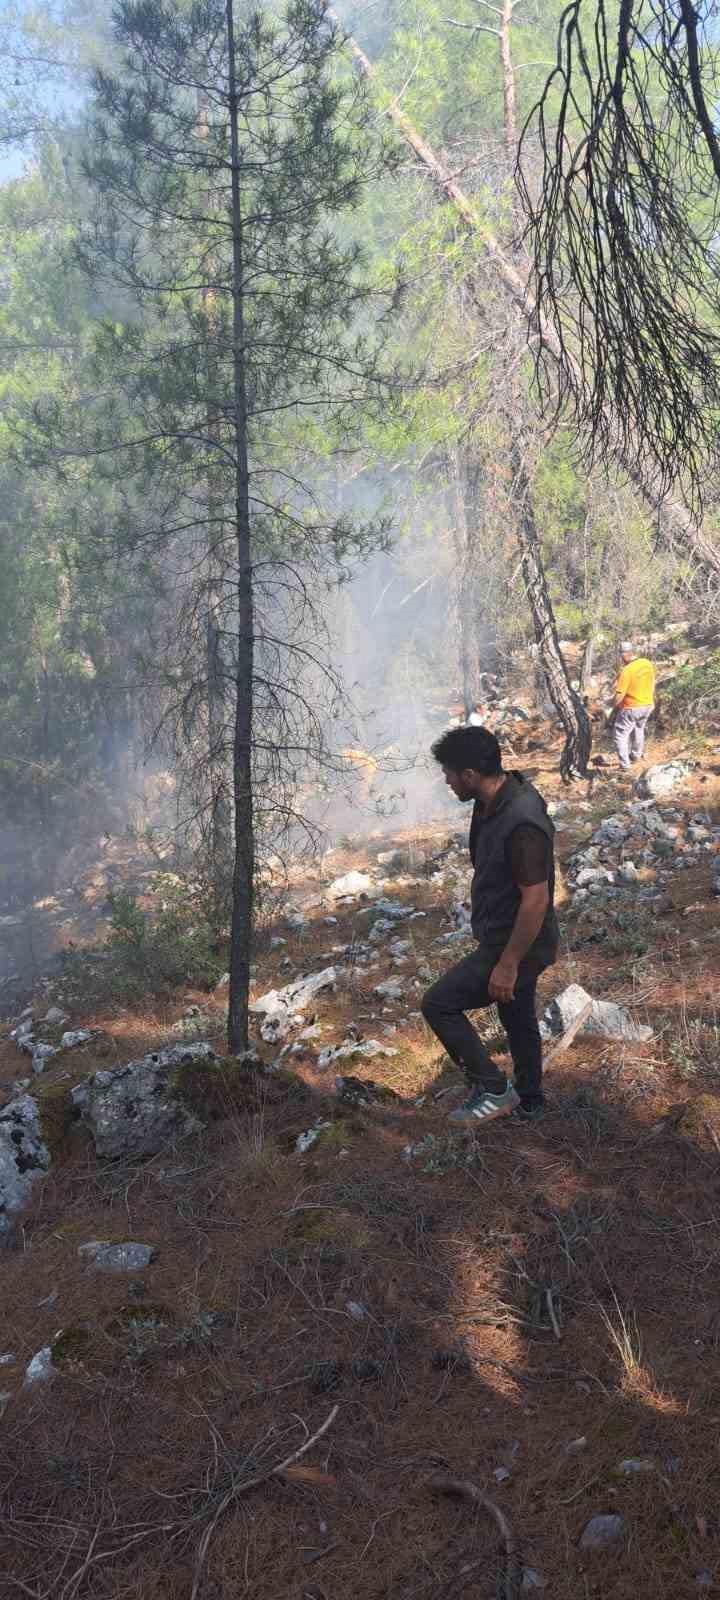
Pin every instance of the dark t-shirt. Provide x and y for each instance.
(528, 855)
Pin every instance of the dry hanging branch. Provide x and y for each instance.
(623, 225)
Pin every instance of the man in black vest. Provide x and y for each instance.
(513, 920)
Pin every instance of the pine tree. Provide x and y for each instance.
(241, 353)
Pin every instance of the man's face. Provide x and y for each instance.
(461, 783)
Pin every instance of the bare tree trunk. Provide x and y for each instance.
(508, 77)
(219, 828)
(466, 598)
(586, 665)
(568, 705)
(244, 864)
(676, 525)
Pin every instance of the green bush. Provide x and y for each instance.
(694, 691)
(176, 946)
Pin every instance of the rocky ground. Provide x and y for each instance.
(207, 1262)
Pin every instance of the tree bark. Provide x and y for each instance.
(586, 665)
(676, 525)
(244, 863)
(219, 831)
(508, 77)
(568, 705)
(466, 598)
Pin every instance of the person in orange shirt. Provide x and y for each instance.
(634, 703)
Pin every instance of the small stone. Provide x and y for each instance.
(117, 1257)
(532, 1579)
(367, 1370)
(76, 1036)
(628, 872)
(602, 1532)
(575, 1447)
(704, 1578)
(356, 1310)
(501, 1475)
(633, 1465)
(390, 990)
(55, 1016)
(305, 1141)
(41, 1369)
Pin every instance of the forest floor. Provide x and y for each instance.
(534, 1309)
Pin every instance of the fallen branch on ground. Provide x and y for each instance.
(569, 1034)
(465, 1490)
(239, 1489)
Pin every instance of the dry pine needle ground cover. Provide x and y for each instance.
(528, 1311)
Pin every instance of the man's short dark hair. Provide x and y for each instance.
(476, 748)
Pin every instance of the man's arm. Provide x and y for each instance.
(534, 901)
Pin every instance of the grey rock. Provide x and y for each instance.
(350, 1050)
(41, 1055)
(704, 1578)
(659, 781)
(391, 989)
(305, 1141)
(392, 909)
(55, 1016)
(602, 1532)
(135, 1110)
(633, 1466)
(5, 1398)
(352, 883)
(116, 1257)
(532, 1579)
(282, 1004)
(607, 1020)
(356, 1310)
(592, 877)
(8, 1360)
(24, 1156)
(501, 1475)
(76, 1036)
(628, 872)
(612, 830)
(41, 1369)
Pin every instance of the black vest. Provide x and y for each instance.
(495, 898)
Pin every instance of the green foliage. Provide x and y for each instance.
(151, 955)
(694, 690)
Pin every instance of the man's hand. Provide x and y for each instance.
(502, 980)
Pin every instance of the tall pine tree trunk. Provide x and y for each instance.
(567, 703)
(244, 862)
(219, 830)
(465, 587)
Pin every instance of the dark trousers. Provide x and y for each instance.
(465, 988)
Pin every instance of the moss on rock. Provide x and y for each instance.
(214, 1089)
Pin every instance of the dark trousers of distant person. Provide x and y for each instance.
(465, 988)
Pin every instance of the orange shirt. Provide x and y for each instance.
(636, 684)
